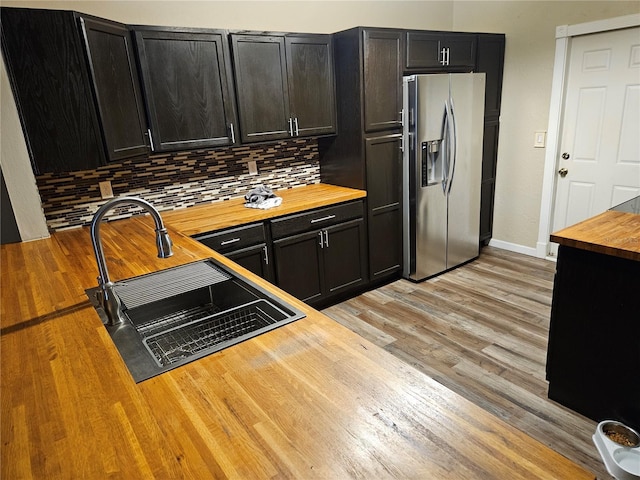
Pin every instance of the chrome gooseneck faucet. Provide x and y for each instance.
(106, 296)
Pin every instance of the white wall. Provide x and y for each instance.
(530, 48)
(529, 25)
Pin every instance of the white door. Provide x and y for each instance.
(600, 136)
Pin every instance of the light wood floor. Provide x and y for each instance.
(480, 330)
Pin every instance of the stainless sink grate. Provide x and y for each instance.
(152, 287)
(184, 341)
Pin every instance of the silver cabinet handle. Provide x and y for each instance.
(326, 239)
(295, 121)
(153, 149)
(445, 56)
(322, 219)
(229, 242)
(321, 240)
(233, 133)
(266, 255)
(290, 127)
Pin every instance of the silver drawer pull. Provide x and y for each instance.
(228, 242)
(328, 217)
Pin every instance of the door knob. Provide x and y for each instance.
(563, 172)
(565, 156)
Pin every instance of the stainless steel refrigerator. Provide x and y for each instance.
(442, 160)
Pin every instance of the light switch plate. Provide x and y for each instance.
(540, 139)
(253, 168)
(105, 189)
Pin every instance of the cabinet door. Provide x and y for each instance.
(187, 87)
(440, 51)
(311, 84)
(261, 83)
(382, 79)
(384, 196)
(256, 259)
(116, 86)
(491, 62)
(298, 265)
(50, 83)
(344, 257)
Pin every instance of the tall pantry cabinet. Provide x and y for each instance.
(366, 153)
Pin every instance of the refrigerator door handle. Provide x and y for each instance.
(445, 147)
(453, 139)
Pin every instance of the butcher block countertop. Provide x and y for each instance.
(611, 233)
(219, 215)
(310, 399)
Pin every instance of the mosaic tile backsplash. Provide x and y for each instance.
(177, 180)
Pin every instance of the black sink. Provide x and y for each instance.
(178, 315)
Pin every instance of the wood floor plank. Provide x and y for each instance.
(481, 330)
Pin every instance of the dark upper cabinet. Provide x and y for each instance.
(382, 75)
(311, 84)
(48, 73)
(116, 86)
(187, 84)
(284, 84)
(491, 62)
(440, 51)
(261, 84)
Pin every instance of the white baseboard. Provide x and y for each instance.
(513, 247)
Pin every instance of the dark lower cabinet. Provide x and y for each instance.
(256, 259)
(593, 356)
(384, 210)
(322, 254)
(319, 265)
(247, 245)
(298, 266)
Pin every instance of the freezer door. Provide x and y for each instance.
(467, 105)
(428, 169)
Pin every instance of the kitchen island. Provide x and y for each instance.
(593, 358)
(310, 399)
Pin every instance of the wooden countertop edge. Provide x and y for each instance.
(229, 213)
(611, 233)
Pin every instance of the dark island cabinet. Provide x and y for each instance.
(440, 51)
(593, 354)
(187, 83)
(284, 84)
(321, 255)
(117, 87)
(48, 73)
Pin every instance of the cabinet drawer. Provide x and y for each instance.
(234, 238)
(322, 217)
